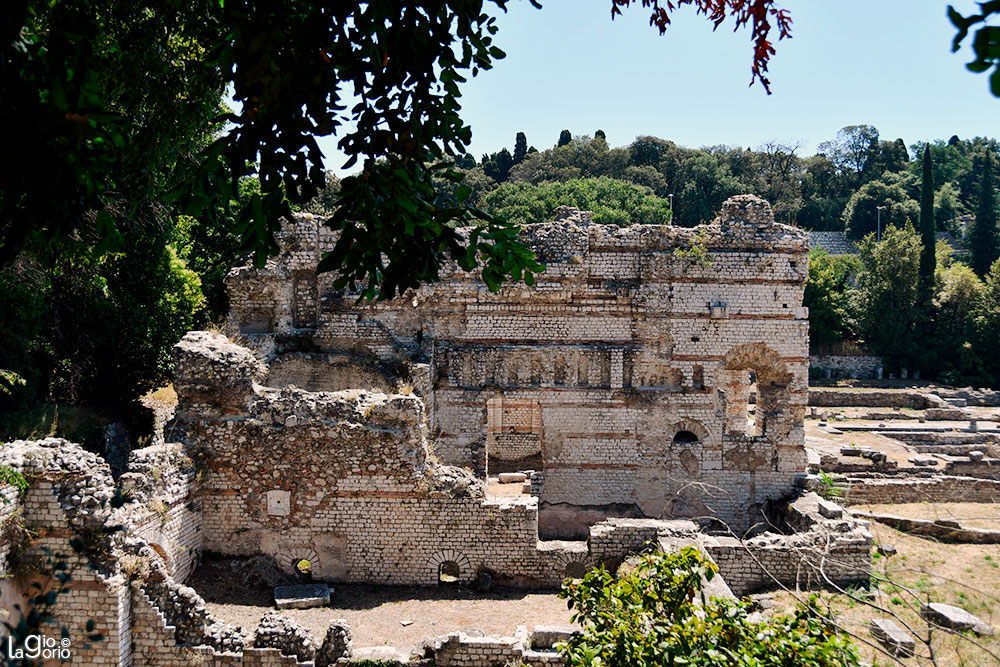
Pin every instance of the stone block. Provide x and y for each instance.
(955, 618)
(830, 510)
(279, 503)
(302, 597)
(893, 637)
(545, 637)
(512, 477)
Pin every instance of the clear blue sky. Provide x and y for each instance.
(885, 63)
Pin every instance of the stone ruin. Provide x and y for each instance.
(636, 378)
(651, 394)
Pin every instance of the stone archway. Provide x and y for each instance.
(756, 370)
(447, 557)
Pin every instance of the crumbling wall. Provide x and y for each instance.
(829, 549)
(167, 514)
(936, 489)
(66, 512)
(343, 480)
(631, 336)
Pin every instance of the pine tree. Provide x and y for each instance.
(983, 235)
(564, 138)
(520, 148)
(927, 237)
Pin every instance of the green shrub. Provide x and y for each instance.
(647, 616)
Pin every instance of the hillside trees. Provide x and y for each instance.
(888, 310)
(927, 228)
(828, 298)
(861, 215)
(983, 235)
(611, 201)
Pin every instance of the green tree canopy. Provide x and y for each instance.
(861, 214)
(888, 310)
(612, 201)
(827, 296)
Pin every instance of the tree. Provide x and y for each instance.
(983, 235)
(854, 152)
(520, 147)
(861, 214)
(497, 166)
(887, 295)
(655, 612)
(564, 138)
(986, 322)
(928, 238)
(828, 298)
(959, 295)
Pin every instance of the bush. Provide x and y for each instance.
(649, 616)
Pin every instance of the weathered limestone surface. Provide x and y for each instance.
(625, 374)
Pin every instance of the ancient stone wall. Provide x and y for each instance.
(846, 366)
(343, 480)
(936, 489)
(626, 370)
(825, 548)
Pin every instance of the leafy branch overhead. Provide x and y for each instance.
(985, 42)
(756, 13)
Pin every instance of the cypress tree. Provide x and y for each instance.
(564, 138)
(927, 238)
(520, 147)
(983, 235)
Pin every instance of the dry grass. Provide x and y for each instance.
(964, 575)
(165, 395)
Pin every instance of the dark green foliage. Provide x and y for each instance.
(861, 215)
(520, 148)
(927, 228)
(854, 152)
(564, 138)
(828, 298)
(497, 166)
(656, 613)
(986, 322)
(73, 75)
(888, 311)
(950, 336)
(599, 134)
(983, 236)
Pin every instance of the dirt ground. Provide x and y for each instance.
(397, 616)
(964, 575)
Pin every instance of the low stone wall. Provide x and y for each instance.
(871, 399)
(938, 489)
(846, 366)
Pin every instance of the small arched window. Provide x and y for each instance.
(685, 437)
(448, 572)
